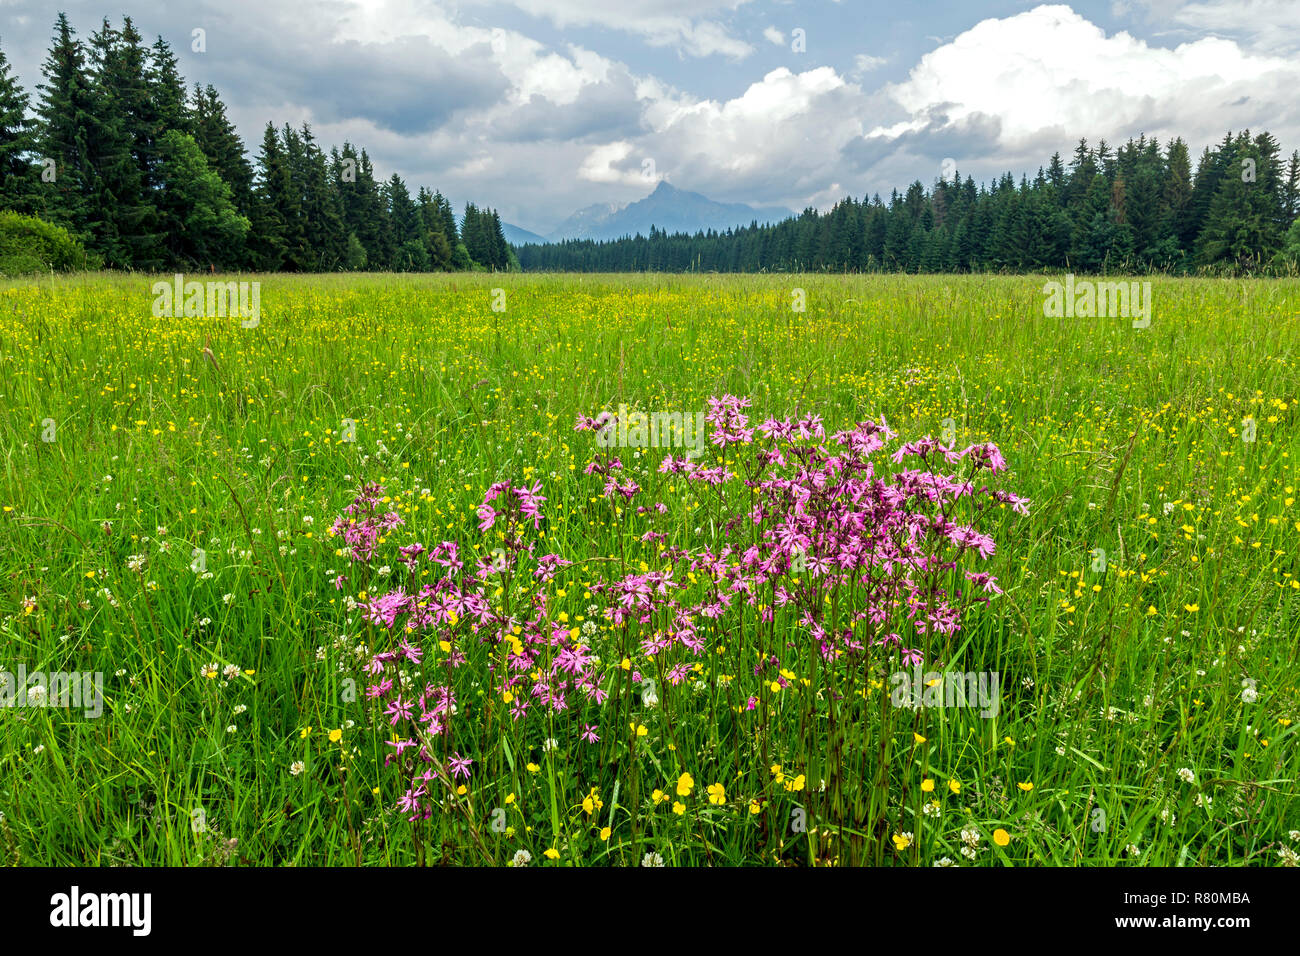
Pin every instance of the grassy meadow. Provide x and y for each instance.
(170, 488)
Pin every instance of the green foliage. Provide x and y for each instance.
(30, 245)
(197, 211)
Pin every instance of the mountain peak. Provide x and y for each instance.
(668, 209)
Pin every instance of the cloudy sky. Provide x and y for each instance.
(539, 107)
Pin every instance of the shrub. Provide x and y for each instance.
(28, 245)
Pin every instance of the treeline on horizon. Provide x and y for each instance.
(1134, 209)
(147, 177)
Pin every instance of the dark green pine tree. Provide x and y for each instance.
(167, 90)
(365, 214)
(431, 226)
(300, 256)
(1242, 224)
(322, 207)
(1083, 167)
(274, 220)
(1056, 174)
(64, 121)
(124, 221)
(471, 233)
(1213, 166)
(1006, 248)
(497, 241)
(411, 254)
(1175, 205)
(1094, 229)
(221, 144)
(460, 259)
(1271, 179)
(1291, 189)
(19, 174)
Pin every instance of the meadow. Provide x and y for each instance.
(359, 592)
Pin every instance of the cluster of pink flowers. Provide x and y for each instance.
(808, 517)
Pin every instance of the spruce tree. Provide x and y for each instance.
(63, 123)
(19, 176)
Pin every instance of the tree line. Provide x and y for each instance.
(148, 175)
(1138, 208)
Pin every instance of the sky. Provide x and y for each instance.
(540, 107)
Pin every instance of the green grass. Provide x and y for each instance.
(1127, 441)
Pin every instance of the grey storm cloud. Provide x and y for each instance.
(605, 110)
(938, 139)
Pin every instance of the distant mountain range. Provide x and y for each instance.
(517, 236)
(667, 208)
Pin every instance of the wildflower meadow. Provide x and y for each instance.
(591, 570)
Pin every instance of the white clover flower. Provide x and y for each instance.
(297, 767)
(521, 858)
(1186, 775)
(944, 861)
(652, 859)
